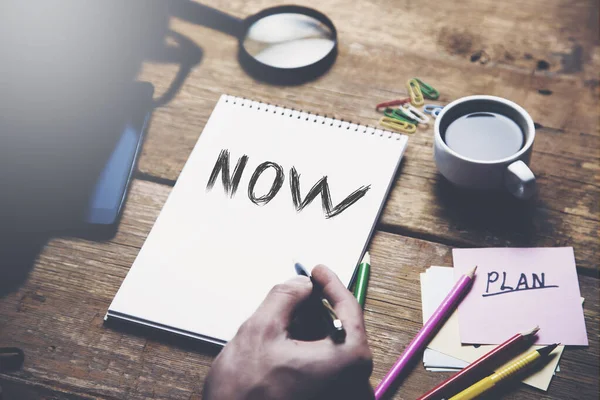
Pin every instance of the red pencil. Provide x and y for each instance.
(481, 367)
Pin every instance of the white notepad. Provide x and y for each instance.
(213, 255)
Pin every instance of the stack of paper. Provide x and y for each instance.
(445, 352)
(514, 290)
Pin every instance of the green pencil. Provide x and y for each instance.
(362, 279)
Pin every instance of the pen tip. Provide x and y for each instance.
(366, 258)
(300, 270)
(531, 332)
(472, 272)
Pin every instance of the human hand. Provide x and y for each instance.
(263, 362)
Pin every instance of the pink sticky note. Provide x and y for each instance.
(516, 289)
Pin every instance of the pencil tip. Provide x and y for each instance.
(544, 351)
(472, 273)
(531, 332)
(366, 258)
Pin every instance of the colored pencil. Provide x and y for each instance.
(362, 279)
(481, 367)
(427, 331)
(507, 372)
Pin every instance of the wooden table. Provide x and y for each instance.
(544, 55)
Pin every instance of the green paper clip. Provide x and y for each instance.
(396, 113)
(429, 92)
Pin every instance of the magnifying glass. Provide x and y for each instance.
(282, 45)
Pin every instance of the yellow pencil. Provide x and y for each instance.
(489, 382)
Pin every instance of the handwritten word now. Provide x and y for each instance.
(523, 283)
(231, 183)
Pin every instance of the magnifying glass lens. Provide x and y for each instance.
(289, 40)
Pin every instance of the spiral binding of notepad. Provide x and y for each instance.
(315, 118)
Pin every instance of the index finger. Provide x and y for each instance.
(344, 303)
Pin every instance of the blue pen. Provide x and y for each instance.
(338, 334)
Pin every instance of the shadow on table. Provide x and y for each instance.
(165, 337)
(186, 53)
(18, 253)
(47, 178)
(396, 386)
(63, 111)
(487, 213)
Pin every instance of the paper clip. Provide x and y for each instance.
(405, 114)
(399, 115)
(414, 113)
(397, 125)
(430, 108)
(392, 103)
(436, 112)
(414, 90)
(428, 91)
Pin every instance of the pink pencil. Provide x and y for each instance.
(427, 331)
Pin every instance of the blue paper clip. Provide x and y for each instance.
(436, 112)
(430, 108)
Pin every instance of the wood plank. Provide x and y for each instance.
(57, 318)
(375, 59)
(565, 212)
(378, 55)
(176, 127)
(514, 34)
(542, 54)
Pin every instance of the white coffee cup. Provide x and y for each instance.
(507, 173)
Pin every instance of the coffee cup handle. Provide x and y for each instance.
(519, 180)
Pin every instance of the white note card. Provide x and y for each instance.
(264, 187)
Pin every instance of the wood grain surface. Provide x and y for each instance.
(544, 55)
(57, 318)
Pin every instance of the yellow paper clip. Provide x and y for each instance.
(397, 125)
(414, 91)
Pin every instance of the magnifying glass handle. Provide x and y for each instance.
(197, 13)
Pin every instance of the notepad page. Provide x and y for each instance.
(213, 255)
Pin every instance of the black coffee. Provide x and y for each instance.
(484, 136)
